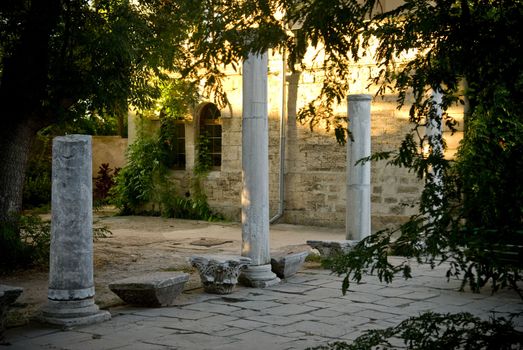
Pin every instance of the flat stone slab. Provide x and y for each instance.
(8, 295)
(219, 273)
(155, 289)
(11, 293)
(286, 264)
(332, 248)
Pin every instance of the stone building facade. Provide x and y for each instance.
(314, 166)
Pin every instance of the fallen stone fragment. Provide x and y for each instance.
(284, 265)
(155, 289)
(8, 295)
(332, 248)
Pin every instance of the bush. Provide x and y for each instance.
(24, 242)
(37, 185)
(103, 184)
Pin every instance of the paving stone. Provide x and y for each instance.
(392, 310)
(374, 315)
(299, 279)
(326, 313)
(286, 310)
(320, 304)
(293, 299)
(231, 331)
(274, 320)
(150, 328)
(257, 305)
(144, 346)
(58, 340)
(267, 295)
(393, 302)
(245, 313)
(185, 313)
(319, 328)
(420, 295)
(305, 344)
(291, 288)
(392, 292)
(360, 297)
(191, 341)
(245, 324)
(211, 307)
(259, 337)
(347, 322)
(318, 282)
(284, 331)
(323, 293)
(347, 307)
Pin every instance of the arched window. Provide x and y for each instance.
(210, 135)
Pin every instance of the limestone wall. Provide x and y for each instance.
(315, 164)
(108, 149)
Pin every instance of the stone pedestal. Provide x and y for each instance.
(255, 170)
(358, 223)
(219, 273)
(71, 281)
(154, 289)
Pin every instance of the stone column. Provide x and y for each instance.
(255, 174)
(71, 282)
(358, 176)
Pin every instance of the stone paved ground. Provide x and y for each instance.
(306, 310)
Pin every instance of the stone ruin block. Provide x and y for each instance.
(8, 295)
(155, 289)
(219, 273)
(286, 264)
(329, 249)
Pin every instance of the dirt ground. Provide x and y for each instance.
(141, 244)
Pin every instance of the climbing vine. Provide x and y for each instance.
(144, 186)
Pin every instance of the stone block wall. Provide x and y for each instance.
(315, 164)
(108, 149)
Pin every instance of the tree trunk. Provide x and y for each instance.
(15, 144)
(24, 82)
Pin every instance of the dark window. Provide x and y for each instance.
(172, 134)
(211, 134)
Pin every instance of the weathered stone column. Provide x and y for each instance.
(255, 174)
(71, 281)
(358, 176)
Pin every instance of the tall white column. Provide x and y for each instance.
(71, 282)
(358, 176)
(255, 173)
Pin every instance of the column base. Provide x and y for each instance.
(260, 276)
(70, 313)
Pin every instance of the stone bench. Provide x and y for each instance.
(8, 295)
(329, 249)
(286, 264)
(219, 273)
(155, 289)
